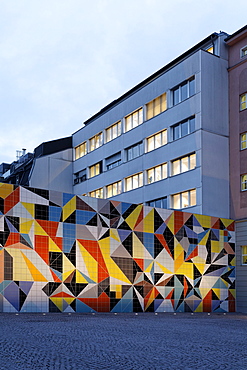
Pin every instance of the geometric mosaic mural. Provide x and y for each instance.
(66, 253)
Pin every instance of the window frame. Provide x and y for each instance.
(180, 159)
(101, 190)
(244, 102)
(78, 148)
(94, 166)
(118, 184)
(130, 116)
(243, 141)
(243, 254)
(179, 126)
(244, 182)
(94, 140)
(139, 176)
(159, 102)
(243, 52)
(179, 89)
(163, 172)
(181, 200)
(110, 130)
(163, 134)
(131, 149)
(163, 200)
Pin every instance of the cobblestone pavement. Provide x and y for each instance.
(123, 341)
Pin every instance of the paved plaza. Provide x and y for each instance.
(123, 341)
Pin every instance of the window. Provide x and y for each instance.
(134, 181)
(96, 193)
(244, 254)
(184, 199)
(184, 164)
(96, 169)
(183, 128)
(114, 189)
(210, 49)
(113, 131)
(134, 151)
(157, 173)
(156, 106)
(133, 120)
(157, 140)
(183, 91)
(244, 182)
(243, 101)
(159, 203)
(113, 161)
(244, 141)
(95, 141)
(243, 52)
(81, 150)
(80, 176)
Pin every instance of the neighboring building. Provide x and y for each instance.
(62, 252)
(165, 142)
(237, 70)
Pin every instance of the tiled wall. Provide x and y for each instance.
(61, 252)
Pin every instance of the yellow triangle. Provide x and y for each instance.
(67, 274)
(29, 207)
(114, 234)
(79, 278)
(170, 223)
(148, 269)
(217, 292)
(6, 190)
(20, 270)
(138, 248)
(204, 221)
(186, 269)
(37, 276)
(226, 221)
(164, 269)
(53, 246)
(133, 217)
(58, 301)
(233, 292)
(199, 308)
(26, 225)
(67, 265)
(68, 300)
(91, 264)
(69, 208)
(204, 239)
(200, 267)
(38, 230)
(148, 222)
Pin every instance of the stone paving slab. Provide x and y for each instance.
(123, 341)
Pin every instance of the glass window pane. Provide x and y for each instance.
(164, 202)
(140, 179)
(184, 199)
(156, 106)
(150, 176)
(129, 154)
(184, 128)
(109, 191)
(149, 110)
(176, 96)
(244, 182)
(176, 201)
(158, 173)
(77, 153)
(135, 119)
(158, 140)
(184, 164)
(128, 125)
(164, 171)
(140, 116)
(135, 151)
(193, 197)
(158, 203)
(176, 132)
(192, 125)
(192, 161)
(184, 91)
(164, 137)
(150, 143)
(176, 167)
(135, 181)
(114, 131)
(244, 260)
(163, 103)
(192, 87)
(129, 183)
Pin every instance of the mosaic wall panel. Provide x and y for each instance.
(65, 253)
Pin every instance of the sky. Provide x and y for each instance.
(61, 61)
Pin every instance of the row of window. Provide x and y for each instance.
(153, 108)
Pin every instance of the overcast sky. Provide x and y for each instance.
(62, 61)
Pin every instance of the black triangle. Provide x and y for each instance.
(93, 221)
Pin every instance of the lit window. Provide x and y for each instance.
(159, 203)
(244, 52)
(134, 151)
(184, 164)
(210, 49)
(157, 173)
(244, 182)
(95, 170)
(114, 189)
(244, 254)
(244, 141)
(133, 120)
(184, 199)
(134, 181)
(183, 91)
(156, 106)
(243, 101)
(113, 131)
(157, 140)
(81, 150)
(96, 193)
(95, 141)
(183, 128)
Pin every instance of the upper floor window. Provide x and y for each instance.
(184, 164)
(244, 141)
(95, 170)
(114, 189)
(95, 141)
(134, 151)
(243, 52)
(244, 182)
(183, 91)
(243, 101)
(157, 140)
(113, 131)
(134, 181)
(113, 161)
(157, 173)
(210, 49)
(97, 193)
(183, 128)
(159, 203)
(134, 119)
(244, 254)
(184, 199)
(80, 176)
(156, 106)
(81, 150)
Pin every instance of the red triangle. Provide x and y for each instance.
(163, 242)
(178, 221)
(207, 302)
(170, 294)
(41, 246)
(50, 227)
(194, 253)
(140, 218)
(55, 277)
(62, 295)
(13, 238)
(11, 200)
(140, 262)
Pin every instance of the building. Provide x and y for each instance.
(237, 71)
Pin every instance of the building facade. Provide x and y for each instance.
(237, 70)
